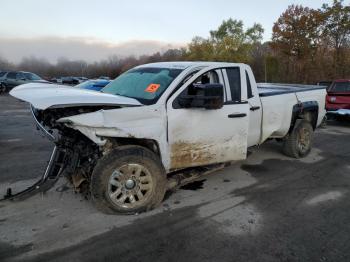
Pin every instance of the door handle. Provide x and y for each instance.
(237, 115)
(254, 108)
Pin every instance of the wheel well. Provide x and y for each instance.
(306, 110)
(147, 143)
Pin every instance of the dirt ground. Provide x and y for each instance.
(267, 208)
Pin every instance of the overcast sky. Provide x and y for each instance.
(95, 29)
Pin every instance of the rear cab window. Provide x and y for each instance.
(340, 87)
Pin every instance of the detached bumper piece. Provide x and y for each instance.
(53, 171)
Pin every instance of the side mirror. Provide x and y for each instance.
(208, 96)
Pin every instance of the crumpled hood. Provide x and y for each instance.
(43, 96)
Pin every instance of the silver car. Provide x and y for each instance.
(9, 80)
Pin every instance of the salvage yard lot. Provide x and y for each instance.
(269, 207)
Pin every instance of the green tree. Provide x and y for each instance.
(296, 37)
(230, 42)
(337, 34)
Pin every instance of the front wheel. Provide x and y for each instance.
(130, 179)
(298, 143)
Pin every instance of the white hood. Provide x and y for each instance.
(43, 96)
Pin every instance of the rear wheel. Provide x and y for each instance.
(298, 143)
(130, 179)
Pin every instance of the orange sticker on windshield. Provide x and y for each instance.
(152, 88)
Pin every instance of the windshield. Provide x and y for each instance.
(31, 76)
(145, 84)
(340, 87)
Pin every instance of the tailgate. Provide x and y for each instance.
(339, 98)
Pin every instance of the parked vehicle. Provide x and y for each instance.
(70, 80)
(2, 73)
(11, 79)
(95, 85)
(159, 126)
(56, 80)
(324, 83)
(2, 86)
(338, 99)
(104, 77)
(82, 79)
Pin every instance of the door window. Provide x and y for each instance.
(11, 75)
(210, 77)
(20, 76)
(234, 79)
(249, 86)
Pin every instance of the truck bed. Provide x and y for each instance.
(278, 101)
(269, 89)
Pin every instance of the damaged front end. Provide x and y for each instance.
(74, 155)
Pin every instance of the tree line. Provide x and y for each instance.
(307, 45)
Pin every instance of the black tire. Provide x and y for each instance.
(109, 170)
(298, 143)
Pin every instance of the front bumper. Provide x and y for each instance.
(50, 136)
(54, 169)
(339, 112)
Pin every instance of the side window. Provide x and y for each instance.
(234, 79)
(210, 77)
(249, 86)
(20, 76)
(188, 77)
(12, 75)
(193, 89)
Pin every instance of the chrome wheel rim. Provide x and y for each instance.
(130, 185)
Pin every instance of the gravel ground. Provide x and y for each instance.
(267, 208)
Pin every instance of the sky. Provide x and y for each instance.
(95, 29)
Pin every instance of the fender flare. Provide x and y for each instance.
(301, 109)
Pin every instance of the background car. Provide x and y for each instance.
(70, 80)
(57, 80)
(11, 79)
(338, 99)
(104, 77)
(96, 85)
(2, 73)
(82, 79)
(324, 83)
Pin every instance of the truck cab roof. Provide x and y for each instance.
(185, 64)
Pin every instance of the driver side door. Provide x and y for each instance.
(199, 136)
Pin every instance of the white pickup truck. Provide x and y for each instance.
(159, 123)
